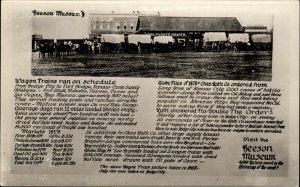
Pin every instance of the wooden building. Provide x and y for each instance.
(190, 29)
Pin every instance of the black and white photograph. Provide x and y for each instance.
(150, 93)
(152, 44)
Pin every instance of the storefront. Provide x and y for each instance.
(191, 30)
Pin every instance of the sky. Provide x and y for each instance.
(77, 27)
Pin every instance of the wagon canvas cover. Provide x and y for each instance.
(261, 38)
(136, 38)
(214, 36)
(244, 38)
(163, 39)
(112, 38)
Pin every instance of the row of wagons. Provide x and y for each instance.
(211, 42)
(142, 43)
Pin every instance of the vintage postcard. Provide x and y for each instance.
(150, 93)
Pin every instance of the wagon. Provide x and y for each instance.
(139, 43)
(112, 43)
(262, 42)
(163, 44)
(214, 41)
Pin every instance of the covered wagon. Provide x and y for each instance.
(112, 43)
(163, 43)
(262, 42)
(139, 43)
(214, 41)
(239, 41)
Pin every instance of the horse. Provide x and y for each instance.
(63, 49)
(42, 50)
(50, 50)
(46, 48)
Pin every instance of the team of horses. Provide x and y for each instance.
(52, 49)
(61, 49)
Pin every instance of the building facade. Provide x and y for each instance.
(189, 29)
(188, 32)
(259, 31)
(112, 24)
